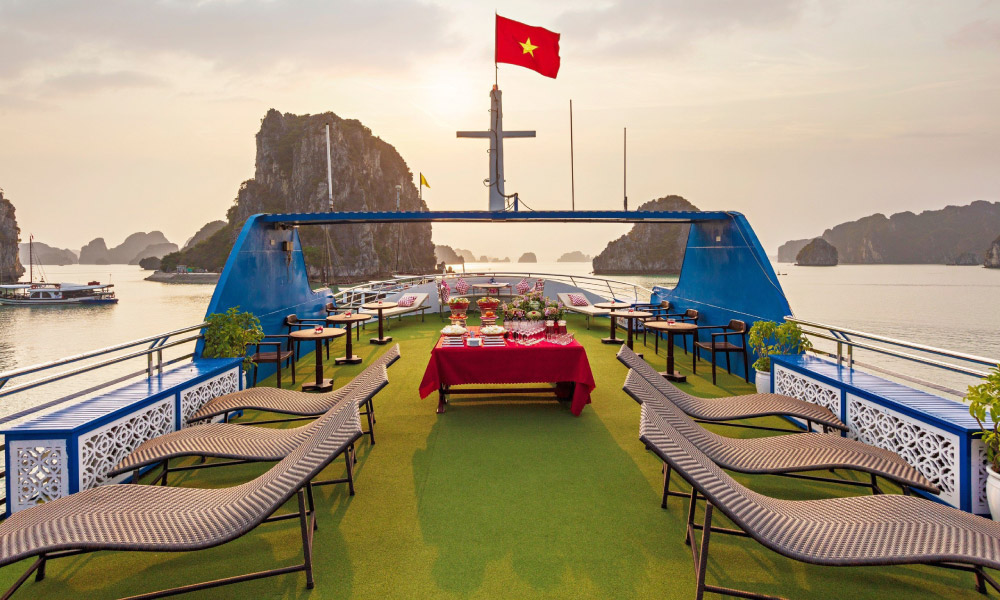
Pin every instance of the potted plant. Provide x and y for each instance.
(767, 338)
(984, 405)
(228, 334)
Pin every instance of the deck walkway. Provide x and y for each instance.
(496, 500)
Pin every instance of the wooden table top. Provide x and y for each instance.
(611, 305)
(379, 305)
(310, 334)
(675, 327)
(635, 314)
(490, 285)
(354, 318)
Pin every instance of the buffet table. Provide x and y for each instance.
(566, 366)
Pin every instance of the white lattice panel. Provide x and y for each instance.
(106, 446)
(978, 477)
(195, 397)
(796, 385)
(41, 472)
(932, 451)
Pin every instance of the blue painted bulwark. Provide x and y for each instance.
(726, 275)
(75, 420)
(939, 413)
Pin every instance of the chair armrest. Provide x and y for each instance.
(712, 327)
(727, 334)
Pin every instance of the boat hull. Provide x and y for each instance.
(59, 302)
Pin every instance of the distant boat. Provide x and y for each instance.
(46, 294)
(41, 293)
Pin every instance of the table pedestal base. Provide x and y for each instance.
(348, 360)
(325, 385)
(614, 340)
(675, 376)
(380, 340)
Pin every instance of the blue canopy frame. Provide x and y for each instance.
(725, 275)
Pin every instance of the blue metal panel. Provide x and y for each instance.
(949, 415)
(726, 275)
(262, 277)
(107, 407)
(478, 216)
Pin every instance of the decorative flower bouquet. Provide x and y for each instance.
(533, 305)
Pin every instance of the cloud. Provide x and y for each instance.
(243, 36)
(984, 33)
(94, 81)
(665, 27)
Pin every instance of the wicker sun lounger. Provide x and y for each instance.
(172, 519)
(240, 444)
(858, 531)
(302, 405)
(785, 455)
(719, 410)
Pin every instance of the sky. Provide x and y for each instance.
(119, 116)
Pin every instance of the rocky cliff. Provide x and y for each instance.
(153, 251)
(965, 259)
(207, 230)
(574, 256)
(648, 248)
(10, 267)
(96, 252)
(447, 255)
(993, 255)
(47, 255)
(932, 237)
(817, 253)
(528, 257)
(790, 249)
(290, 176)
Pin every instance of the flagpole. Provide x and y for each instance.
(572, 174)
(625, 165)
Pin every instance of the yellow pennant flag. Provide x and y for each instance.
(423, 181)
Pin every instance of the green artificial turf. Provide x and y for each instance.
(497, 498)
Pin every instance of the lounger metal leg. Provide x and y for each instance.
(350, 468)
(689, 533)
(306, 540)
(701, 555)
(40, 572)
(666, 485)
(20, 581)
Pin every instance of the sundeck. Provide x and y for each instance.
(502, 495)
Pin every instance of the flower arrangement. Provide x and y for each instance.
(533, 305)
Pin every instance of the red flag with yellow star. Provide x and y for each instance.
(535, 48)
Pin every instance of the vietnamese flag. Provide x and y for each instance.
(535, 48)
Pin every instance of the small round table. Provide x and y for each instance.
(379, 306)
(612, 306)
(321, 384)
(630, 316)
(488, 288)
(350, 357)
(671, 329)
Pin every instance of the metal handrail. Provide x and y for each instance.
(154, 340)
(842, 337)
(594, 284)
(982, 360)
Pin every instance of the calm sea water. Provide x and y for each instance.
(952, 307)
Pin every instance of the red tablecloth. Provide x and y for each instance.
(543, 362)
